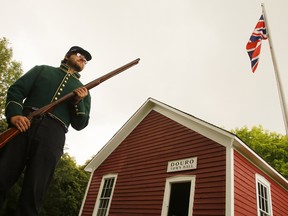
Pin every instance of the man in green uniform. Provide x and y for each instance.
(40, 145)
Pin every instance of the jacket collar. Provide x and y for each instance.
(65, 68)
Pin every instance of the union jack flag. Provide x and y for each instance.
(253, 46)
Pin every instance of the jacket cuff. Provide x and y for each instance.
(79, 109)
(13, 108)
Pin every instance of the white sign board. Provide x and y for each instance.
(182, 164)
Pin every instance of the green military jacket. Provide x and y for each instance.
(44, 84)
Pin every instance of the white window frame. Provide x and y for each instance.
(261, 180)
(167, 192)
(100, 192)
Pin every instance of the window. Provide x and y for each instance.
(105, 195)
(264, 205)
(178, 196)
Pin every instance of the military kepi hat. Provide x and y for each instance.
(77, 49)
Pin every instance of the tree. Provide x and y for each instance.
(271, 146)
(9, 71)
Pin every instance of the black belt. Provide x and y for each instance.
(48, 115)
(26, 111)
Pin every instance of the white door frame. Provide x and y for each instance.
(178, 179)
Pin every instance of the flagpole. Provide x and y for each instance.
(277, 75)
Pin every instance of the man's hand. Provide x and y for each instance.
(80, 94)
(22, 123)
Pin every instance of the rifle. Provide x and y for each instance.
(13, 131)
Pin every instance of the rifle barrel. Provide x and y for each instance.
(13, 131)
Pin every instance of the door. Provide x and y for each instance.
(179, 199)
(178, 196)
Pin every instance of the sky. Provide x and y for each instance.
(192, 57)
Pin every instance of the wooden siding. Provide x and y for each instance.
(245, 202)
(141, 163)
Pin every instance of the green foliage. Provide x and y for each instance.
(271, 146)
(9, 71)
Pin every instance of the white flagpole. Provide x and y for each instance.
(278, 80)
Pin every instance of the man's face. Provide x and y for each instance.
(76, 61)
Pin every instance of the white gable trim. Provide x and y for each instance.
(210, 131)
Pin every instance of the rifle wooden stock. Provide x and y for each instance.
(13, 131)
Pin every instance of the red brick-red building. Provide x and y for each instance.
(164, 162)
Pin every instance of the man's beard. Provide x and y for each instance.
(74, 65)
